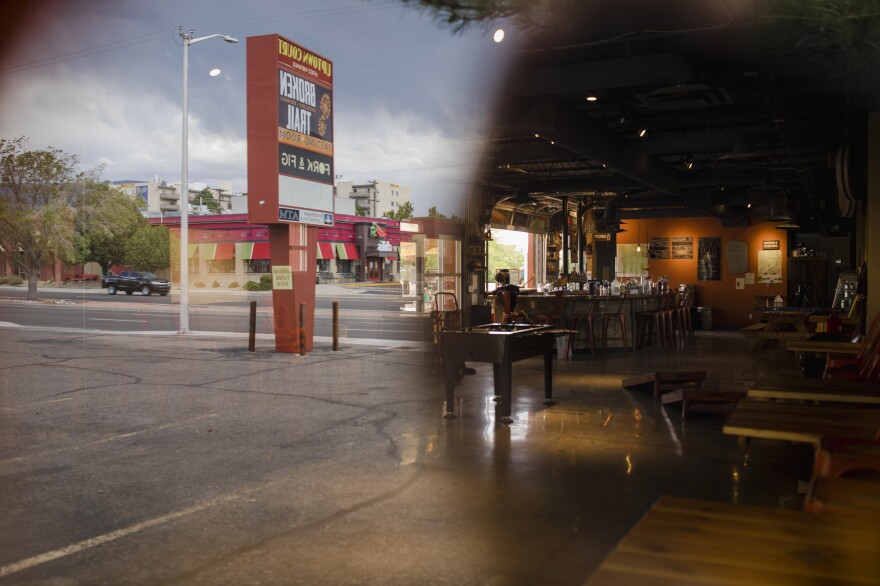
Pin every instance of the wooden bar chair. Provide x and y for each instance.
(552, 316)
(618, 316)
(582, 314)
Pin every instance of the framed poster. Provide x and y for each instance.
(709, 259)
(659, 248)
(682, 247)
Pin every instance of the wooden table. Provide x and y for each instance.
(801, 423)
(812, 389)
(686, 541)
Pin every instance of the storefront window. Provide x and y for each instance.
(221, 266)
(442, 268)
(324, 265)
(257, 265)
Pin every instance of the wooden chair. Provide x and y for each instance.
(618, 316)
(866, 365)
(507, 314)
(446, 316)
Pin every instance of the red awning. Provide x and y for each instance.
(346, 251)
(224, 251)
(325, 250)
(261, 251)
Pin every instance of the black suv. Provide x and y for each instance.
(131, 281)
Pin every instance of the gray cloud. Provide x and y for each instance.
(409, 97)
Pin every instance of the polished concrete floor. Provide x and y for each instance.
(169, 460)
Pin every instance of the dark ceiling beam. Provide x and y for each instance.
(556, 122)
(651, 70)
(693, 143)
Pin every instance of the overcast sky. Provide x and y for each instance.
(102, 79)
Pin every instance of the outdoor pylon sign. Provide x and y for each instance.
(290, 133)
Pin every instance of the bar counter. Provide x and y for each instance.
(575, 303)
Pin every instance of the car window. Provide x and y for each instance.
(148, 275)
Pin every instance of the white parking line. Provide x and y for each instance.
(140, 321)
(108, 537)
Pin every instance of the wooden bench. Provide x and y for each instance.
(684, 387)
(812, 389)
(688, 541)
(801, 423)
(844, 496)
(663, 382)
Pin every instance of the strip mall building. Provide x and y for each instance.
(227, 249)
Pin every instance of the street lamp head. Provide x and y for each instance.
(229, 39)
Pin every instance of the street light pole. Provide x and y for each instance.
(184, 179)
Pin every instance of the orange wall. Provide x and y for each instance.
(731, 307)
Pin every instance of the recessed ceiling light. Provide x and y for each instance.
(643, 132)
(214, 72)
(592, 98)
(498, 36)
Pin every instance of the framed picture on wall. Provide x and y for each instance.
(709, 258)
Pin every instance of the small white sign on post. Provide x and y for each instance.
(282, 277)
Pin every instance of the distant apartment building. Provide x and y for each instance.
(372, 198)
(163, 199)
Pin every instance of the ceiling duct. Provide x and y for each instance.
(778, 210)
(685, 97)
(665, 70)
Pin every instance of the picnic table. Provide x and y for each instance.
(780, 324)
(811, 389)
(690, 541)
(801, 423)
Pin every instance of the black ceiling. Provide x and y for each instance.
(760, 103)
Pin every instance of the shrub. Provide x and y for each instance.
(252, 286)
(266, 283)
(199, 284)
(15, 280)
(234, 285)
(215, 284)
(4, 280)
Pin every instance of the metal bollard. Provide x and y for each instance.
(252, 331)
(302, 329)
(335, 326)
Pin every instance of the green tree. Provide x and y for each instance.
(106, 245)
(433, 213)
(149, 248)
(504, 256)
(40, 207)
(359, 211)
(404, 211)
(206, 198)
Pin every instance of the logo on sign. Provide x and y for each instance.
(288, 215)
(602, 236)
(384, 246)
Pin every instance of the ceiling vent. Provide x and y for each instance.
(686, 97)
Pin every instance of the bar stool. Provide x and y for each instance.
(618, 316)
(686, 302)
(553, 316)
(654, 323)
(582, 313)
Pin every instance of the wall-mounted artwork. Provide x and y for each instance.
(709, 259)
(737, 256)
(682, 247)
